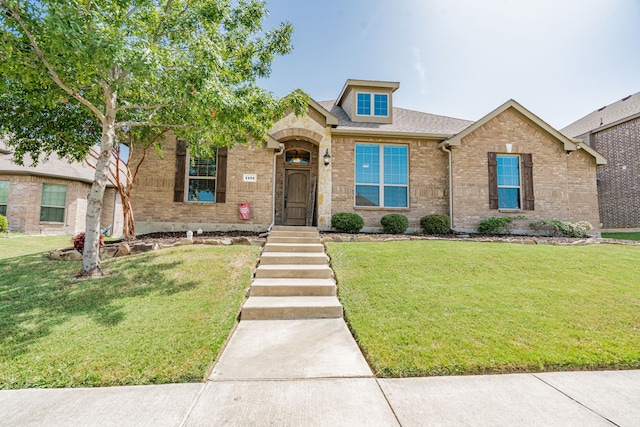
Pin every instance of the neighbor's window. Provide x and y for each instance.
(4, 197)
(382, 175)
(202, 180)
(379, 107)
(53, 202)
(508, 168)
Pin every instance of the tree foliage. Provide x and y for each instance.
(77, 72)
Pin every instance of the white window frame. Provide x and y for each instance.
(63, 207)
(518, 187)
(190, 177)
(372, 104)
(6, 202)
(381, 185)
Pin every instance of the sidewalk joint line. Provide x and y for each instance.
(393, 411)
(577, 401)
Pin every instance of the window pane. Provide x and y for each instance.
(367, 164)
(52, 214)
(395, 165)
(508, 171)
(381, 105)
(202, 167)
(4, 192)
(53, 195)
(367, 195)
(508, 198)
(3, 210)
(202, 190)
(364, 104)
(395, 197)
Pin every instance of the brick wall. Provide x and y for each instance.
(155, 210)
(428, 180)
(23, 206)
(564, 186)
(619, 179)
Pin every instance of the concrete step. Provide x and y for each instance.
(293, 247)
(296, 240)
(292, 287)
(294, 271)
(273, 258)
(293, 228)
(312, 234)
(263, 308)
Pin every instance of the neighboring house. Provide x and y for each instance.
(51, 198)
(361, 154)
(614, 130)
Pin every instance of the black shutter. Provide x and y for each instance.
(493, 181)
(181, 164)
(221, 179)
(527, 182)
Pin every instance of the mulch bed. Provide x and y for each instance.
(172, 237)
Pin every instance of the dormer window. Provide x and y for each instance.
(379, 107)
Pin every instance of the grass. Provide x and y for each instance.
(622, 235)
(155, 318)
(18, 244)
(422, 308)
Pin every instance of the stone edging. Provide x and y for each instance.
(131, 248)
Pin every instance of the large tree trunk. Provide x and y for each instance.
(91, 252)
(129, 228)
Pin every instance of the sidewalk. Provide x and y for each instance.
(551, 399)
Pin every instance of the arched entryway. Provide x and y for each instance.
(296, 188)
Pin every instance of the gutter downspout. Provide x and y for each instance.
(447, 150)
(273, 189)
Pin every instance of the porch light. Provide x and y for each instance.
(327, 157)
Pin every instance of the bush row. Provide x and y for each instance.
(348, 222)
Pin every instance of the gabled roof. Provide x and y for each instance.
(568, 143)
(405, 123)
(331, 119)
(609, 115)
(53, 168)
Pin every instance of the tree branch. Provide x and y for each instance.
(120, 125)
(54, 75)
(142, 107)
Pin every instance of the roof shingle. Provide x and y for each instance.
(612, 113)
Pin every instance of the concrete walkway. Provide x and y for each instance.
(295, 363)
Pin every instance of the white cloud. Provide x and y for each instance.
(418, 65)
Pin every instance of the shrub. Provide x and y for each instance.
(3, 223)
(347, 222)
(78, 241)
(497, 224)
(435, 224)
(557, 227)
(394, 223)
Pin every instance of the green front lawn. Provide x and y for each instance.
(622, 235)
(17, 244)
(158, 317)
(441, 307)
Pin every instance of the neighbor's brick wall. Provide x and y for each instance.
(23, 206)
(428, 180)
(155, 210)
(564, 186)
(619, 187)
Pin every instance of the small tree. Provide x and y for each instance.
(114, 65)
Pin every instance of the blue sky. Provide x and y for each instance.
(561, 59)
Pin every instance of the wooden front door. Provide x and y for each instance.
(296, 196)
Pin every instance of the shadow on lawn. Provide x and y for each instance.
(36, 296)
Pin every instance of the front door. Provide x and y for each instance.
(296, 196)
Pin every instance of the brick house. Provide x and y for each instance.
(362, 154)
(51, 198)
(614, 130)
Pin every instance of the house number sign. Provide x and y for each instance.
(250, 177)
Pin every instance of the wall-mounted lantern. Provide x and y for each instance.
(327, 157)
